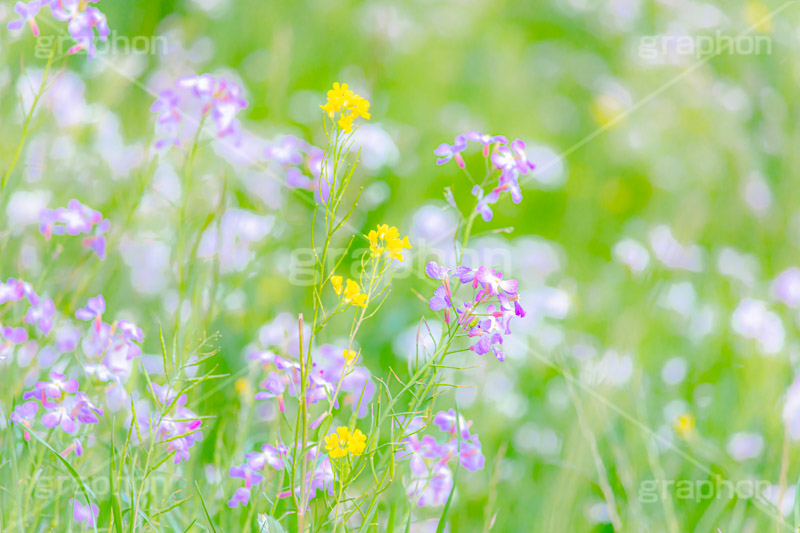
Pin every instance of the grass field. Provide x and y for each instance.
(410, 267)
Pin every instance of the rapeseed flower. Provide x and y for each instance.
(386, 239)
(343, 100)
(342, 442)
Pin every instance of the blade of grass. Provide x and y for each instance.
(205, 509)
(112, 494)
(71, 471)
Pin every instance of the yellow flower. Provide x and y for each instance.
(349, 357)
(341, 442)
(394, 249)
(358, 441)
(387, 239)
(351, 106)
(353, 294)
(336, 443)
(684, 425)
(336, 282)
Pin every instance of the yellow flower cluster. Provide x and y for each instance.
(387, 240)
(352, 291)
(349, 357)
(342, 441)
(349, 104)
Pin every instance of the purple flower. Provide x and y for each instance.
(166, 107)
(168, 119)
(265, 357)
(12, 336)
(65, 10)
(446, 152)
(431, 479)
(15, 290)
(523, 165)
(276, 386)
(94, 309)
(42, 315)
(180, 428)
(97, 242)
(250, 476)
(52, 389)
(24, 415)
(269, 455)
(240, 497)
(494, 282)
(470, 455)
(287, 151)
(434, 271)
(499, 295)
(58, 415)
(448, 422)
(297, 180)
(321, 478)
(86, 515)
(510, 184)
(75, 219)
(512, 159)
(67, 339)
(465, 274)
(440, 300)
(486, 140)
(82, 28)
(74, 447)
(484, 202)
(10, 291)
(431, 488)
(27, 13)
(83, 409)
(490, 333)
(196, 97)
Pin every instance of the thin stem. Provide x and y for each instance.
(26, 124)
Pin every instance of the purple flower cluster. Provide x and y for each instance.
(249, 471)
(508, 158)
(110, 348)
(180, 428)
(197, 97)
(84, 22)
(320, 476)
(283, 373)
(431, 479)
(39, 314)
(498, 295)
(76, 219)
(326, 372)
(298, 159)
(65, 406)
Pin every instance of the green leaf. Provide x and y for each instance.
(324, 427)
(71, 471)
(267, 524)
(443, 519)
(205, 509)
(113, 494)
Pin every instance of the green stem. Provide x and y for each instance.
(26, 124)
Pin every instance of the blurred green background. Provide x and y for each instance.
(705, 144)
